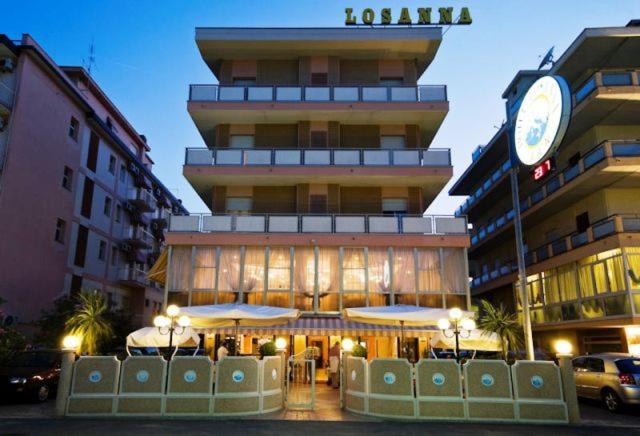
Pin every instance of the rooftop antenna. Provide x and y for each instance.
(547, 59)
(88, 64)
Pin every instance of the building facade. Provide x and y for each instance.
(317, 170)
(580, 213)
(80, 208)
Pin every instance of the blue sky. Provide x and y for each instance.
(146, 57)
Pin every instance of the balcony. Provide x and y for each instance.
(133, 276)
(138, 237)
(349, 94)
(142, 199)
(6, 99)
(429, 169)
(485, 188)
(332, 224)
(615, 224)
(607, 164)
(425, 105)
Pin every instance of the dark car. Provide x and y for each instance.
(31, 375)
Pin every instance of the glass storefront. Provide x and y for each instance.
(594, 287)
(318, 279)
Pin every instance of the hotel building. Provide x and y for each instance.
(317, 170)
(80, 208)
(580, 214)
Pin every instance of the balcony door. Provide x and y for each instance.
(241, 141)
(395, 142)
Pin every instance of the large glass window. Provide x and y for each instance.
(429, 270)
(328, 280)
(253, 275)
(379, 277)
(353, 277)
(304, 278)
(404, 277)
(567, 285)
(229, 274)
(279, 277)
(180, 268)
(205, 268)
(455, 279)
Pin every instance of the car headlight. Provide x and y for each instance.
(17, 380)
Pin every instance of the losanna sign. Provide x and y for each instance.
(422, 16)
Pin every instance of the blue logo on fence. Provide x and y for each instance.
(537, 381)
(95, 376)
(438, 379)
(190, 376)
(389, 378)
(487, 380)
(274, 374)
(237, 376)
(142, 376)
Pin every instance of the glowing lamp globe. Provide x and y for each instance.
(563, 347)
(468, 324)
(455, 314)
(184, 321)
(347, 344)
(173, 310)
(161, 321)
(281, 344)
(444, 324)
(71, 342)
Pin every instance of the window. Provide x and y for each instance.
(318, 138)
(118, 213)
(241, 141)
(205, 268)
(107, 206)
(60, 231)
(114, 255)
(353, 277)
(595, 365)
(239, 205)
(279, 269)
(123, 173)
(74, 128)
(102, 250)
(317, 204)
(112, 164)
(394, 206)
(87, 198)
(319, 79)
(92, 154)
(244, 81)
(392, 142)
(67, 178)
(391, 81)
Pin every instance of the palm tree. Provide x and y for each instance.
(499, 321)
(89, 321)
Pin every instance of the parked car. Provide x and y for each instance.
(613, 378)
(31, 375)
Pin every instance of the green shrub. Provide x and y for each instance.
(359, 351)
(268, 349)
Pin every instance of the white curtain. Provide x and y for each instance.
(180, 268)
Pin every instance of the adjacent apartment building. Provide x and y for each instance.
(317, 169)
(580, 211)
(80, 208)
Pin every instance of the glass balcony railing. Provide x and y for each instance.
(345, 94)
(432, 157)
(602, 151)
(604, 78)
(484, 187)
(294, 223)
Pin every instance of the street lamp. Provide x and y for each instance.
(462, 326)
(171, 323)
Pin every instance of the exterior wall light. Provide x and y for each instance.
(347, 345)
(281, 344)
(71, 343)
(563, 347)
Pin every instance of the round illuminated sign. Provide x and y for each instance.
(142, 376)
(389, 378)
(190, 376)
(487, 380)
(438, 379)
(237, 376)
(542, 119)
(95, 376)
(537, 381)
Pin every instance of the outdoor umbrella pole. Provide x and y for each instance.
(401, 338)
(237, 321)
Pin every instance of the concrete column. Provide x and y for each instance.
(569, 387)
(64, 383)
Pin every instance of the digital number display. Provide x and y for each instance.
(543, 169)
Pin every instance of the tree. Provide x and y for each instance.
(51, 324)
(11, 341)
(90, 321)
(499, 321)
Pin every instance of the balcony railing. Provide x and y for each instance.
(422, 93)
(6, 96)
(318, 157)
(142, 198)
(372, 224)
(138, 236)
(605, 78)
(133, 274)
(619, 149)
(601, 229)
(484, 187)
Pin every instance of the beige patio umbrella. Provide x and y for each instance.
(398, 315)
(479, 340)
(237, 314)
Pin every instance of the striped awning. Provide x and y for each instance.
(328, 327)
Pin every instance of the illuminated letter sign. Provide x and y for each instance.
(404, 18)
(542, 119)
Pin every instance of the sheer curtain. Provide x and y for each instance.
(253, 280)
(304, 277)
(205, 268)
(229, 275)
(328, 274)
(404, 279)
(429, 270)
(279, 277)
(455, 280)
(180, 267)
(379, 277)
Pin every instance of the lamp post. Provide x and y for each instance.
(70, 345)
(461, 327)
(564, 353)
(171, 322)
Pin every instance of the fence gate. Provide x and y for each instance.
(301, 381)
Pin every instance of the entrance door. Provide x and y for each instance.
(301, 380)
